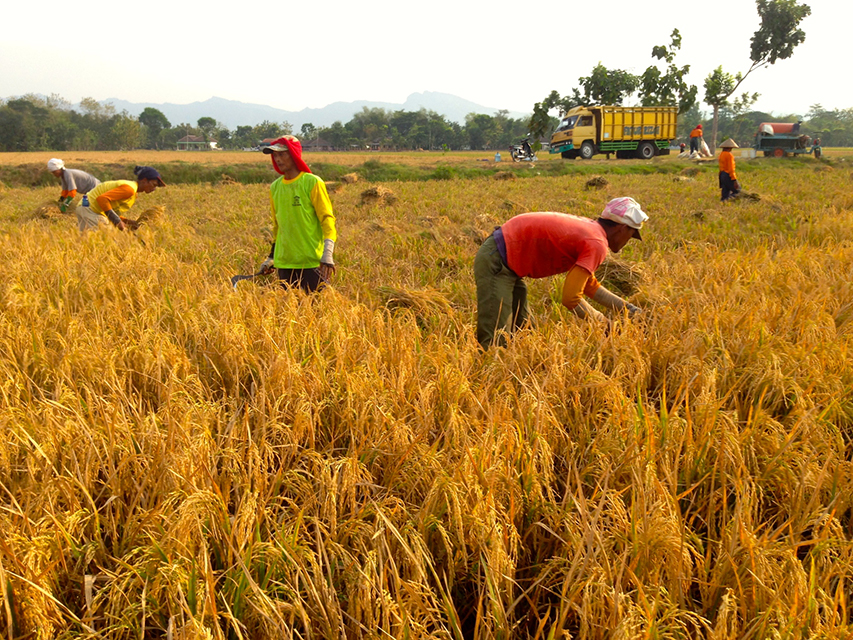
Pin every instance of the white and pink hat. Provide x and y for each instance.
(625, 211)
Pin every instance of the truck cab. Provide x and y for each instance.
(575, 134)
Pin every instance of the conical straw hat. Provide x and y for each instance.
(730, 144)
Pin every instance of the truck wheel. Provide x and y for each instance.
(646, 151)
(779, 153)
(587, 150)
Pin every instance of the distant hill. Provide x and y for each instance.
(233, 113)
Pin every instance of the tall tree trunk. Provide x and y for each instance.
(713, 143)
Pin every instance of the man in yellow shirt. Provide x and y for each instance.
(729, 186)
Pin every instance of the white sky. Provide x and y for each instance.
(293, 55)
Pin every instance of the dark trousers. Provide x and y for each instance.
(729, 188)
(501, 296)
(309, 280)
(694, 144)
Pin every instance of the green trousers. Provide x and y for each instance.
(501, 297)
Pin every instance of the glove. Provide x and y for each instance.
(266, 266)
(328, 252)
(63, 206)
(632, 309)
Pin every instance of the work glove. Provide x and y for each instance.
(266, 266)
(632, 309)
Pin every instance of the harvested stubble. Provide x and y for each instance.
(334, 187)
(682, 179)
(504, 175)
(691, 171)
(597, 182)
(378, 195)
(349, 178)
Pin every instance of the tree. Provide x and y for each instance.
(777, 35)
(207, 125)
(606, 86)
(308, 131)
(667, 88)
(155, 122)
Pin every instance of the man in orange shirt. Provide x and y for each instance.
(542, 244)
(696, 139)
(729, 186)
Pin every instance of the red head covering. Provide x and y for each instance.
(698, 126)
(292, 145)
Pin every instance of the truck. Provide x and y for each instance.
(778, 139)
(629, 132)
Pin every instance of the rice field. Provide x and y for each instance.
(181, 459)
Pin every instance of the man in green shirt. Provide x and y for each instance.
(303, 220)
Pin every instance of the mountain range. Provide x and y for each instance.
(233, 113)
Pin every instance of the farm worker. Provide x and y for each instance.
(73, 182)
(729, 185)
(110, 199)
(816, 150)
(542, 244)
(696, 138)
(303, 220)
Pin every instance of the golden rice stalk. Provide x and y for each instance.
(378, 195)
(226, 180)
(349, 178)
(597, 182)
(623, 277)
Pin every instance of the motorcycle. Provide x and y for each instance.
(522, 152)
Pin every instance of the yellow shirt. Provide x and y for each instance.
(118, 195)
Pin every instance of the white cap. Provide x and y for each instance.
(625, 211)
(55, 164)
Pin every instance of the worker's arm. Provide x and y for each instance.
(106, 199)
(578, 281)
(326, 216)
(608, 299)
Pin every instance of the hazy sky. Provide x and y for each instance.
(308, 54)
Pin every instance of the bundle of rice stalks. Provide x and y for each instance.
(620, 277)
(749, 197)
(47, 209)
(333, 187)
(381, 195)
(149, 216)
(597, 182)
(504, 175)
(152, 215)
(682, 179)
(349, 178)
(226, 180)
(690, 171)
(424, 303)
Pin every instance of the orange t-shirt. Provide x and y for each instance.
(727, 164)
(546, 243)
(696, 133)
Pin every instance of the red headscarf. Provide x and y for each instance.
(294, 147)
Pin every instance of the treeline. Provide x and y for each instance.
(833, 127)
(35, 123)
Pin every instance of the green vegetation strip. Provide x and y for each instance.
(35, 175)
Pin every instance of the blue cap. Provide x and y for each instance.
(149, 173)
